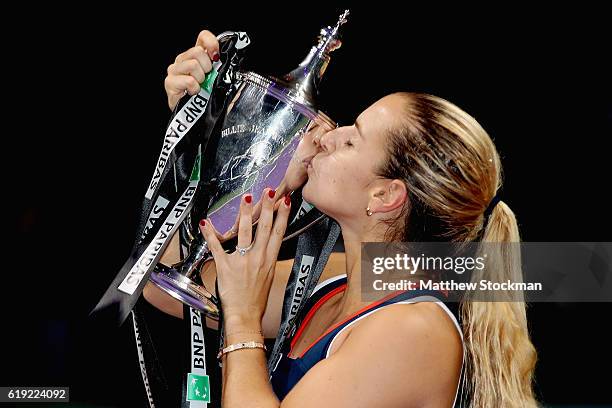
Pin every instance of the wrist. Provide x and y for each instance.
(241, 337)
(241, 346)
(238, 329)
(241, 322)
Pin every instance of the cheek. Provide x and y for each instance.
(344, 173)
(337, 186)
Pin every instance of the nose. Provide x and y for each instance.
(326, 141)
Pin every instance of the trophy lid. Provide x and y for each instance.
(271, 87)
(300, 86)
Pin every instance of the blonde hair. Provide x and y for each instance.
(452, 171)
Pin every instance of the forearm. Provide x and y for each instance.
(162, 301)
(245, 372)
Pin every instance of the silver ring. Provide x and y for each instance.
(243, 251)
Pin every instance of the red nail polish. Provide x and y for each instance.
(271, 193)
(216, 56)
(202, 223)
(248, 199)
(287, 200)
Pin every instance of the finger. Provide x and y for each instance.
(257, 209)
(188, 67)
(245, 225)
(266, 219)
(278, 230)
(199, 54)
(208, 41)
(220, 236)
(234, 230)
(210, 235)
(277, 204)
(176, 85)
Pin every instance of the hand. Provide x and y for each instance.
(244, 281)
(190, 68)
(296, 174)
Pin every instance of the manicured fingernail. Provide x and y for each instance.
(287, 200)
(271, 193)
(216, 56)
(248, 198)
(202, 223)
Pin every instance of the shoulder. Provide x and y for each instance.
(402, 355)
(418, 342)
(425, 324)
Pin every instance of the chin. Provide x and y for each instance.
(312, 196)
(307, 192)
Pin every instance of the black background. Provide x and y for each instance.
(86, 110)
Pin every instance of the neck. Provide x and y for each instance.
(353, 238)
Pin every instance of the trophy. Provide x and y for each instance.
(259, 147)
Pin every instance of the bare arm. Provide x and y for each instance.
(402, 356)
(156, 296)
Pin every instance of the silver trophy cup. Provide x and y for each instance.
(265, 141)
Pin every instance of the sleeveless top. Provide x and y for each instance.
(290, 369)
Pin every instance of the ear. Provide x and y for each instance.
(388, 196)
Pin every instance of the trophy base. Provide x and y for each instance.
(185, 290)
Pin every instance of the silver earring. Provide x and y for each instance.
(368, 212)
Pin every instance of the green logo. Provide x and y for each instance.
(195, 171)
(209, 80)
(198, 388)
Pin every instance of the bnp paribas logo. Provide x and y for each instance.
(198, 388)
(209, 81)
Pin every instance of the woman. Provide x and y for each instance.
(413, 167)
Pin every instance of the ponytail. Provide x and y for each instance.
(500, 357)
(452, 172)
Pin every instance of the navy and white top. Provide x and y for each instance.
(290, 369)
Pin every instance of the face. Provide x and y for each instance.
(342, 176)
